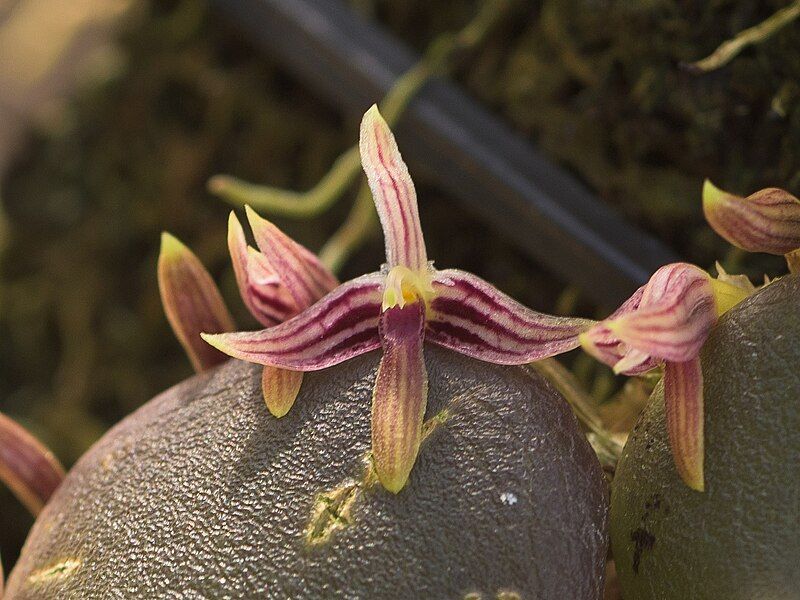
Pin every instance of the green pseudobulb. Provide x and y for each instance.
(202, 494)
(740, 539)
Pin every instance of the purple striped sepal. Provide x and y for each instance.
(471, 316)
(667, 321)
(397, 309)
(191, 301)
(342, 325)
(766, 221)
(27, 467)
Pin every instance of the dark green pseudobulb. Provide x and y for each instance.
(203, 494)
(741, 538)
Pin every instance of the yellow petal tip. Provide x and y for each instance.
(171, 246)
(696, 483)
(712, 195)
(257, 222)
(393, 485)
(213, 339)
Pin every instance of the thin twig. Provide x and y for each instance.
(751, 36)
(361, 223)
(440, 58)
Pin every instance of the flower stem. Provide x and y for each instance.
(361, 223)
(440, 58)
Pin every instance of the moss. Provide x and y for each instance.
(597, 84)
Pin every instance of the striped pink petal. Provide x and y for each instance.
(675, 314)
(191, 302)
(605, 346)
(280, 388)
(340, 326)
(27, 467)
(683, 403)
(471, 316)
(305, 278)
(265, 296)
(393, 192)
(766, 221)
(400, 395)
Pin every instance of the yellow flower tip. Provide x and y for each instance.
(618, 368)
(280, 388)
(374, 113)
(251, 214)
(171, 247)
(258, 224)
(693, 477)
(253, 253)
(712, 195)
(214, 339)
(393, 483)
(276, 412)
(726, 295)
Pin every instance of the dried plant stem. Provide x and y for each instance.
(361, 223)
(289, 203)
(751, 36)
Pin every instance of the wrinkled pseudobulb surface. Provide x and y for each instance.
(202, 494)
(740, 539)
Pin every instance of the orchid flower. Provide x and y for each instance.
(193, 303)
(766, 221)
(667, 321)
(398, 308)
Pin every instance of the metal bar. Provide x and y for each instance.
(472, 154)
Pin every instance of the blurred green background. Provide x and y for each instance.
(181, 96)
